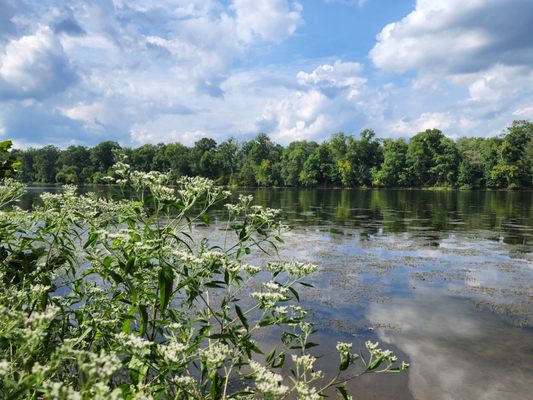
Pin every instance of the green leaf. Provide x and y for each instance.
(144, 319)
(343, 392)
(295, 293)
(280, 362)
(166, 281)
(241, 316)
(91, 240)
(376, 363)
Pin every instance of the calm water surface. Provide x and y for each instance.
(443, 278)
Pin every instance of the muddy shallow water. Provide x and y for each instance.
(445, 279)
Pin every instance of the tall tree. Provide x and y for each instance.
(392, 170)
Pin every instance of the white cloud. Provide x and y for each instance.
(435, 120)
(334, 78)
(456, 36)
(142, 136)
(327, 101)
(273, 20)
(34, 66)
(524, 112)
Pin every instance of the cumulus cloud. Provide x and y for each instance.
(334, 78)
(327, 100)
(141, 136)
(455, 37)
(273, 20)
(35, 66)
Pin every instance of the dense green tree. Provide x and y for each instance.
(362, 155)
(204, 161)
(227, 160)
(489, 152)
(293, 159)
(26, 171)
(320, 168)
(391, 172)
(428, 159)
(470, 172)
(179, 160)
(74, 163)
(143, 157)
(432, 159)
(102, 156)
(45, 164)
(514, 164)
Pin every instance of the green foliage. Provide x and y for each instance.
(120, 299)
(8, 163)
(428, 159)
(392, 170)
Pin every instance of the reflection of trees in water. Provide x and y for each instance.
(508, 215)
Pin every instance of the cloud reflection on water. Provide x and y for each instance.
(455, 351)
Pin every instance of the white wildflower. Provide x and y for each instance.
(43, 317)
(344, 348)
(185, 381)
(251, 269)
(268, 383)
(39, 369)
(133, 341)
(215, 355)
(4, 367)
(305, 362)
(306, 393)
(293, 268)
(173, 351)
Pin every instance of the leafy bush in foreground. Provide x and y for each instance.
(113, 299)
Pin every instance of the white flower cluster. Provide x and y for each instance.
(58, 390)
(39, 369)
(185, 382)
(268, 383)
(215, 354)
(274, 293)
(386, 355)
(192, 188)
(293, 268)
(38, 289)
(133, 341)
(244, 202)
(173, 351)
(304, 362)
(306, 392)
(45, 317)
(121, 169)
(344, 348)
(102, 366)
(4, 367)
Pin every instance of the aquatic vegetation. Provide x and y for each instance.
(113, 298)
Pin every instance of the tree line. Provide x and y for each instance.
(427, 159)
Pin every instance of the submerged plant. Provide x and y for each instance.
(115, 299)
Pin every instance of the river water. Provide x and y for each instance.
(444, 278)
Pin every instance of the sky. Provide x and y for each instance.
(158, 71)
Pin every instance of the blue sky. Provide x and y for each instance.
(80, 72)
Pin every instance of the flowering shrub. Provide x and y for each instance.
(114, 299)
